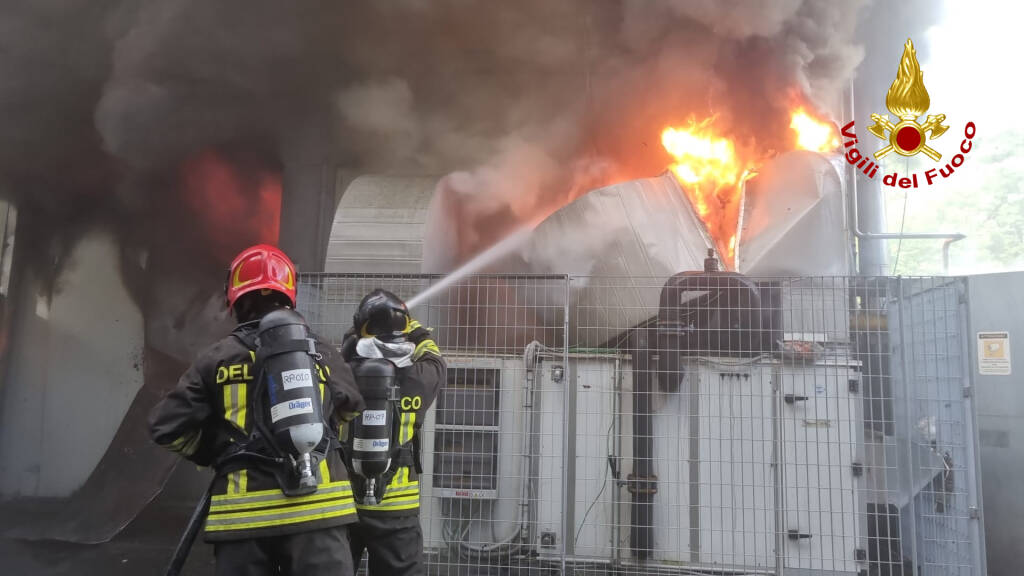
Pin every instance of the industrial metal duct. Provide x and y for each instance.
(379, 225)
(622, 241)
(793, 220)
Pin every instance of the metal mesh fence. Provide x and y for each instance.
(707, 424)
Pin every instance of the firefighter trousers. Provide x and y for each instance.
(394, 545)
(323, 552)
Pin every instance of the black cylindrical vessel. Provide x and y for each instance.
(714, 313)
(371, 430)
(287, 366)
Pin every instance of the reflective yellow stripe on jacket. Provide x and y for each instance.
(402, 494)
(187, 444)
(264, 508)
(235, 413)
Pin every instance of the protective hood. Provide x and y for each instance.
(399, 353)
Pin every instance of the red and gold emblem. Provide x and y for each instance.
(908, 100)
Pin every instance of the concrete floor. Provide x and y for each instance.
(143, 548)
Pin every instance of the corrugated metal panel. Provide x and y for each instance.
(623, 242)
(379, 225)
(794, 220)
(633, 235)
(642, 228)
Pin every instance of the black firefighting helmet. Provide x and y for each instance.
(382, 315)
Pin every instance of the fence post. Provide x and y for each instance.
(973, 466)
(777, 478)
(568, 434)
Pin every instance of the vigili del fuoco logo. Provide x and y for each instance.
(908, 100)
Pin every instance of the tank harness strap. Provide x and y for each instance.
(255, 451)
(247, 338)
(306, 345)
(416, 462)
(403, 457)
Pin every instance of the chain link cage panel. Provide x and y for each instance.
(708, 424)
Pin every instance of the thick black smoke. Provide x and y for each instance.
(533, 94)
(111, 111)
(524, 103)
(54, 61)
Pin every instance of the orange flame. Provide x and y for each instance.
(712, 173)
(235, 206)
(813, 134)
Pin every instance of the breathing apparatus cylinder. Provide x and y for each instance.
(371, 431)
(287, 356)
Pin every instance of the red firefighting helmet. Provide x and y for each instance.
(261, 267)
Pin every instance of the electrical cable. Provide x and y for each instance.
(604, 482)
(899, 245)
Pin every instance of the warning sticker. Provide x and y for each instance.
(291, 408)
(994, 353)
(371, 444)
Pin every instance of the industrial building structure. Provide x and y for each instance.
(613, 406)
(600, 424)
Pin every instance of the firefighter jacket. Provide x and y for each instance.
(418, 387)
(210, 413)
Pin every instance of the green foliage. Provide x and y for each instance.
(984, 199)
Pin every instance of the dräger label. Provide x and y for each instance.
(300, 378)
(371, 444)
(375, 418)
(291, 408)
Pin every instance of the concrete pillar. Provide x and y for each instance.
(307, 201)
(882, 33)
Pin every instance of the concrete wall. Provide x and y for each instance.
(997, 304)
(74, 368)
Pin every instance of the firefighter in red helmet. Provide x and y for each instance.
(260, 520)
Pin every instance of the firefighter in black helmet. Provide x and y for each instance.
(389, 522)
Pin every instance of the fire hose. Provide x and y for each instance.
(191, 531)
(195, 522)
